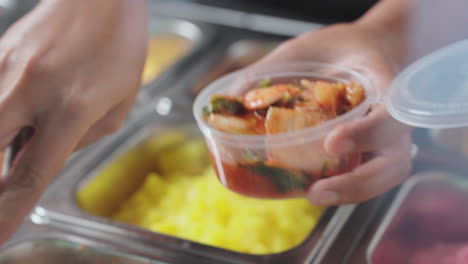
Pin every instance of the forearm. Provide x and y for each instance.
(388, 22)
(105, 10)
(83, 22)
(387, 15)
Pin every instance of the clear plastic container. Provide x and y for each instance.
(301, 154)
(432, 92)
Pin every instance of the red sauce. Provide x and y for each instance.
(258, 121)
(314, 101)
(249, 183)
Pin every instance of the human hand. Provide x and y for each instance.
(70, 70)
(377, 135)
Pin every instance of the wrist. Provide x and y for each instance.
(387, 23)
(389, 16)
(88, 8)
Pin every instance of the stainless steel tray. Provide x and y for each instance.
(238, 49)
(198, 35)
(400, 224)
(247, 20)
(48, 243)
(59, 204)
(239, 54)
(355, 246)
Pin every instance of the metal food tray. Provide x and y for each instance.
(355, 246)
(232, 53)
(432, 178)
(199, 35)
(239, 54)
(59, 204)
(44, 242)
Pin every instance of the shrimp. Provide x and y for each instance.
(263, 97)
(279, 120)
(355, 94)
(230, 123)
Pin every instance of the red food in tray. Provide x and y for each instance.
(430, 227)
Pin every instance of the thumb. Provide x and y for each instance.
(370, 133)
(35, 166)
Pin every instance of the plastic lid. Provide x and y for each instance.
(433, 91)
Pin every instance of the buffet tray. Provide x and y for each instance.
(59, 204)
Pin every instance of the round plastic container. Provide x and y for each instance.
(301, 153)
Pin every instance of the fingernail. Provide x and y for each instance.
(324, 198)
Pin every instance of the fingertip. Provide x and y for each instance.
(319, 194)
(323, 198)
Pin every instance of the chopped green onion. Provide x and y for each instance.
(264, 83)
(324, 169)
(284, 180)
(223, 105)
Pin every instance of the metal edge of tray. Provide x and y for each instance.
(180, 94)
(171, 249)
(232, 18)
(62, 191)
(200, 15)
(340, 249)
(401, 196)
(34, 229)
(331, 233)
(201, 35)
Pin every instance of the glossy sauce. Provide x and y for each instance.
(248, 183)
(258, 123)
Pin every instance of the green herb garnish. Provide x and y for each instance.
(284, 180)
(264, 83)
(224, 105)
(324, 169)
